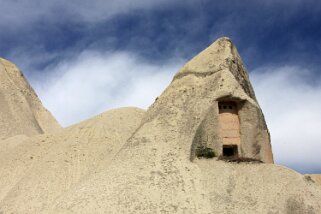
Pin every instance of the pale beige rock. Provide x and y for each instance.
(153, 172)
(34, 173)
(21, 112)
(217, 75)
(151, 167)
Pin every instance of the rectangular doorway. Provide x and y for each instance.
(230, 151)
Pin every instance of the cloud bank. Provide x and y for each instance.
(93, 82)
(291, 104)
(281, 32)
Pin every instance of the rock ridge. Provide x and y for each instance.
(220, 55)
(21, 113)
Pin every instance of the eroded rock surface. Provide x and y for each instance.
(156, 171)
(21, 112)
(35, 171)
(133, 162)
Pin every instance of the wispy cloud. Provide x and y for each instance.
(94, 82)
(20, 12)
(281, 32)
(291, 102)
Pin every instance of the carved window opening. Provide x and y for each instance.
(230, 150)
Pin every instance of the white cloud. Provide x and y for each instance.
(291, 103)
(95, 82)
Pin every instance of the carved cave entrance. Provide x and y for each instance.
(229, 128)
(230, 150)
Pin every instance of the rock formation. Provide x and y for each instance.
(128, 161)
(222, 101)
(21, 112)
(36, 171)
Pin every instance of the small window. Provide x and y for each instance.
(229, 150)
(227, 107)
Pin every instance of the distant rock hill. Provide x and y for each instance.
(202, 147)
(21, 112)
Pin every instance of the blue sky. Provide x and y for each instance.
(84, 57)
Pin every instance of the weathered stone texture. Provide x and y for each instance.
(128, 161)
(21, 112)
(218, 74)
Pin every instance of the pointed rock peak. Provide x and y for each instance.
(21, 112)
(221, 55)
(212, 59)
(6, 62)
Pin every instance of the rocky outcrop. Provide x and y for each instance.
(155, 171)
(146, 163)
(35, 171)
(21, 111)
(216, 75)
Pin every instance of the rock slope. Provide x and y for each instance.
(128, 161)
(35, 171)
(21, 112)
(154, 171)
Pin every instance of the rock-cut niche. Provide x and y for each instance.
(229, 128)
(220, 130)
(233, 128)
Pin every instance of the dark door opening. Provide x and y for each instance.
(229, 150)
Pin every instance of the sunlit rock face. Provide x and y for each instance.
(228, 118)
(131, 161)
(21, 112)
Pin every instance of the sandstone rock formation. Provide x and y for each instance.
(36, 171)
(221, 103)
(21, 112)
(128, 161)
